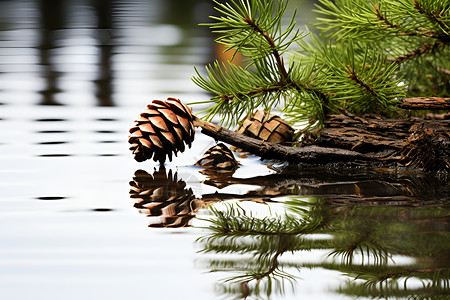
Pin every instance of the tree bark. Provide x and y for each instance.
(368, 140)
(431, 103)
(307, 154)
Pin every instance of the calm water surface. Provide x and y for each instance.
(74, 75)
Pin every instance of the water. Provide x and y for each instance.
(73, 77)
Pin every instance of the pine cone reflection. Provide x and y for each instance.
(164, 198)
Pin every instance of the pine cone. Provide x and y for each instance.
(164, 198)
(267, 127)
(162, 129)
(218, 158)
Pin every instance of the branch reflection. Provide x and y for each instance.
(364, 225)
(363, 243)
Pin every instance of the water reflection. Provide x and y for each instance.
(53, 21)
(344, 187)
(369, 225)
(341, 189)
(163, 198)
(363, 244)
(51, 198)
(52, 131)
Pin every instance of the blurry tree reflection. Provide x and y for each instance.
(52, 19)
(54, 28)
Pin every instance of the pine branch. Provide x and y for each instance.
(414, 34)
(362, 19)
(428, 48)
(256, 27)
(327, 77)
(353, 76)
(431, 15)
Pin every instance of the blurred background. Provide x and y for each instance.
(105, 53)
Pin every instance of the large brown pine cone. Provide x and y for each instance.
(162, 129)
(164, 198)
(267, 127)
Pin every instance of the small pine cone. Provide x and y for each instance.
(267, 127)
(164, 198)
(162, 129)
(218, 158)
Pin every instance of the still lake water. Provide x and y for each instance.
(74, 75)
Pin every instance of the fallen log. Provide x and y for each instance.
(367, 140)
(307, 154)
(409, 142)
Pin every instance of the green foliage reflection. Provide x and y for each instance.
(363, 243)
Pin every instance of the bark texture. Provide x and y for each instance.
(409, 142)
(367, 140)
(431, 103)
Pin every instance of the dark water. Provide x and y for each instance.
(73, 77)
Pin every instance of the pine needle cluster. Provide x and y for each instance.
(360, 62)
(415, 34)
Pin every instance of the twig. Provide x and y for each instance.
(419, 51)
(432, 103)
(275, 52)
(353, 76)
(431, 16)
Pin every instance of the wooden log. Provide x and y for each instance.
(412, 142)
(426, 103)
(371, 133)
(307, 154)
(367, 140)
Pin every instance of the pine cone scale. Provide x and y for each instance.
(149, 112)
(147, 127)
(136, 134)
(159, 122)
(182, 108)
(180, 136)
(169, 137)
(156, 141)
(169, 115)
(145, 143)
(141, 119)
